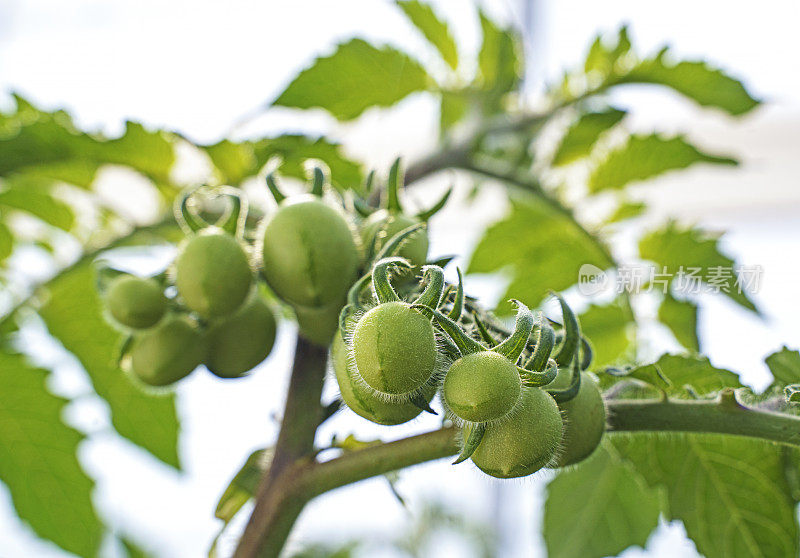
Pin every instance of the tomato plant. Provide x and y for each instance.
(355, 276)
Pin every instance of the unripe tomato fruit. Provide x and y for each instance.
(395, 348)
(165, 354)
(361, 400)
(135, 302)
(319, 325)
(309, 254)
(240, 342)
(481, 387)
(525, 442)
(212, 274)
(415, 248)
(584, 419)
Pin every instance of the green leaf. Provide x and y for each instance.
(729, 492)
(645, 157)
(608, 328)
(6, 241)
(539, 248)
(785, 366)
(680, 316)
(684, 370)
(133, 549)
(582, 135)
(602, 58)
(73, 315)
(707, 86)
(32, 195)
(689, 256)
(295, 150)
(454, 107)
(243, 485)
(433, 28)
(626, 210)
(599, 508)
(499, 60)
(38, 461)
(356, 77)
(234, 161)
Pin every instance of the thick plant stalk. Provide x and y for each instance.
(276, 509)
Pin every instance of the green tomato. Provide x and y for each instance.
(135, 302)
(361, 400)
(523, 443)
(319, 325)
(212, 274)
(415, 248)
(482, 387)
(584, 418)
(310, 257)
(240, 342)
(395, 348)
(167, 353)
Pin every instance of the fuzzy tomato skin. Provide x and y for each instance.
(525, 442)
(361, 400)
(167, 353)
(482, 387)
(309, 255)
(135, 302)
(415, 248)
(584, 419)
(239, 343)
(395, 348)
(212, 274)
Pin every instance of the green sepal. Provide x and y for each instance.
(512, 347)
(362, 208)
(187, 220)
(586, 353)
(458, 303)
(544, 347)
(570, 392)
(572, 334)
(435, 208)
(234, 218)
(392, 187)
(471, 443)
(354, 294)
(485, 335)
(369, 183)
(274, 190)
(124, 347)
(317, 181)
(381, 284)
(792, 393)
(344, 318)
(466, 344)
(432, 294)
(418, 400)
(443, 261)
(392, 247)
(539, 379)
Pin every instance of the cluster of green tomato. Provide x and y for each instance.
(358, 279)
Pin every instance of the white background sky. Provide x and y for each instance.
(197, 67)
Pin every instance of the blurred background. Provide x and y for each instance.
(204, 68)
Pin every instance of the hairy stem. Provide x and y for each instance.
(276, 507)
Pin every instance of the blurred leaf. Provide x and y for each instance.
(603, 57)
(540, 248)
(73, 315)
(32, 196)
(645, 157)
(38, 461)
(295, 150)
(680, 316)
(689, 256)
(729, 492)
(626, 210)
(707, 86)
(151, 153)
(133, 549)
(234, 161)
(499, 61)
(243, 485)
(454, 107)
(599, 508)
(608, 329)
(433, 28)
(582, 135)
(6, 241)
(785, 366)
(354, 78)
(684, 370)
